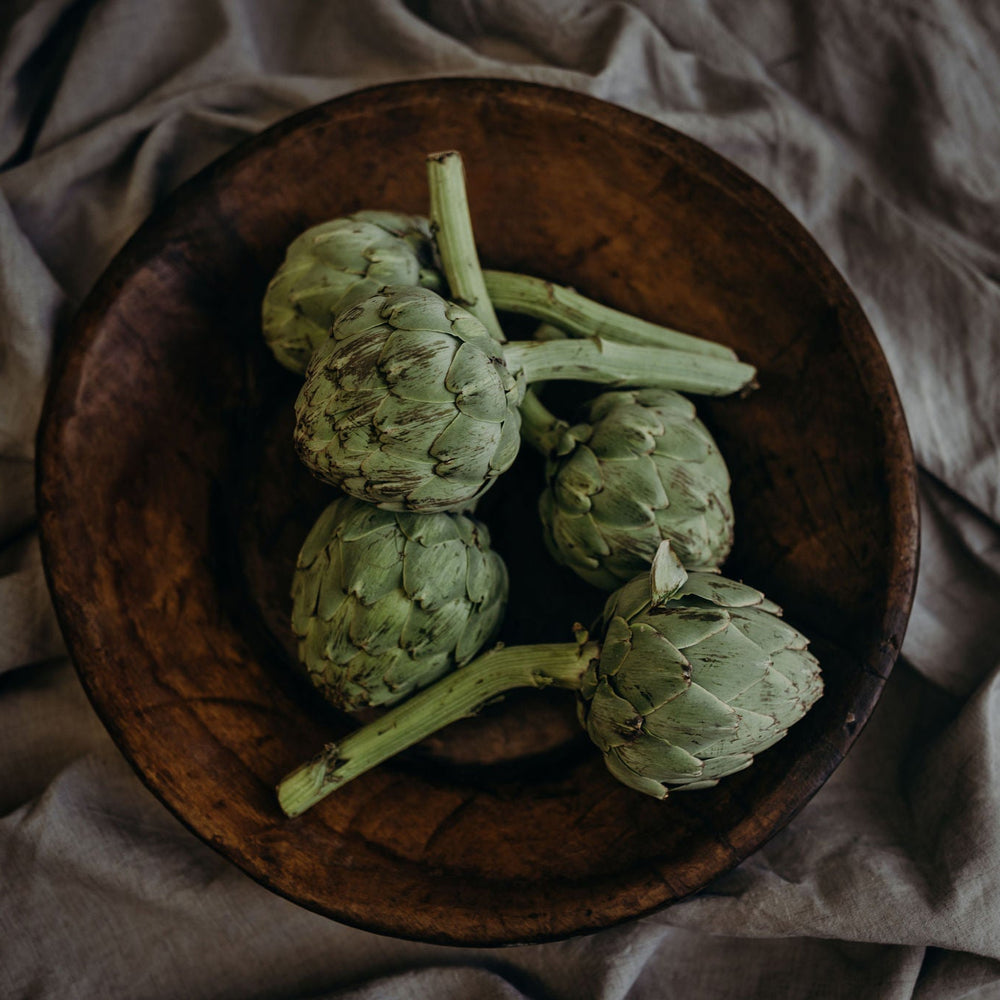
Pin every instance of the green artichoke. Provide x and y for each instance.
(412, 405)
(384, 603)
(695, 676)
(337, 263)
(409, 404)
(640, 469)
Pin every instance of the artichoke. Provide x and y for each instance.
(384, 603)
(640, 469)
(411, 404)
(334, 264)
(696, 674)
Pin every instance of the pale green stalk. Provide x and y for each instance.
(541, 428)
(609, 363)
(452, 224)
(461, 694)
(582, 317)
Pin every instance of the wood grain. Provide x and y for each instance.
(171, 512)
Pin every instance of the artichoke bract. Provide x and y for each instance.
(336, 263)
(411, 404)
(384, 603)
(695, 675)
(639, 469)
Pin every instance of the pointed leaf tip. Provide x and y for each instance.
(667, 574)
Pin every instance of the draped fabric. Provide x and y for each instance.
(878, 125)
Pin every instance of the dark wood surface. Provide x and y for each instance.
(172, 508)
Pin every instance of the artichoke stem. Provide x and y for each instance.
(540, 427)
(583, 317)
(461, 694)
(615, 364)
(452, 224)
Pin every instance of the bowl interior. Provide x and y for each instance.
(172, 508)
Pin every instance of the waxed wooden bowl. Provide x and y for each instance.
(172, 507)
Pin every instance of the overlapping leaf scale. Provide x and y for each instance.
(620, 430)
(726, 663)
(577, 536)
(406, 673)
(624, 550)
(649, 756)
(371, 564)
(435, 574)
(484, 622)
(722, 591)
(687, 625)
(627, 776)
(695, 720)
(631, 494)
(415, 365)
(612, 721)
(802, 671)
(629, 600)
(578, 479)
(652, 672)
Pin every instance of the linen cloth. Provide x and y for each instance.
(878, 126)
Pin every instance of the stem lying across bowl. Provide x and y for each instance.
(608, 362)
(461, 694)
(582, 317)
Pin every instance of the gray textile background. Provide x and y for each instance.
(878, 125)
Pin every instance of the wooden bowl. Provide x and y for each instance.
(172, 507)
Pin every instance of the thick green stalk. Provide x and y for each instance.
(614, 364)
(452, 223)
(458, 695)
(541, 428)
(582, 317)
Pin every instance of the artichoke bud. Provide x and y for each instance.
(384, 603)
(337, 263)
(641, 470)
(697, 674)
(409, 404)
